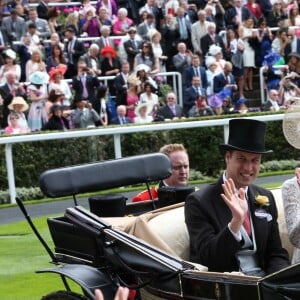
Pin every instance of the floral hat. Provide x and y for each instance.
(60, 69)
(108, 50)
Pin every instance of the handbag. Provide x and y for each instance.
(237, 59)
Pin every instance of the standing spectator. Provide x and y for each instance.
(171, 110)
(13, 27)
(146, 57)
(24, 52)
(192, 93)
(152, 7)
(110, 6)
(84, 84)
(37, 93)
(277, 17)
(199, 29)
(195, 70)
(8, 91)
(57, 121)
(132, 46)
(91, 26)
(105, 39)
(41, 24)
(120, 83)
(73, 49)
(9, 66)
(122, 24)
(92, 60)
(19, 106)
(54, 40)
(250, 40)
(56, 82)
(132, 96)
(144, 27)
(56, 58)
(110, 66)
(211, 72)
(255, 9)
(35, 64)
(84, 116)
(282, 44)
(236, 15)
(184, 26)
(72, 22)
(121, 116)
(148, 95)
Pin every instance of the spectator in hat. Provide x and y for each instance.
(37, 93)
(84, 116)
(222, 218)
(142, 112)
(19, 106)
(56, 81)
(9, 66)
(57, 121)
(240, 106)
(15, 127)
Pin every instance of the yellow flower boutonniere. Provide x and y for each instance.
(262, 200)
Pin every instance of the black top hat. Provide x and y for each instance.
(246, 135)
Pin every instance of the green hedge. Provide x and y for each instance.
(31, 159)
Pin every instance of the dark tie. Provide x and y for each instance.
(196, 72)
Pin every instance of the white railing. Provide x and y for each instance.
(116, 132)
(32, 5)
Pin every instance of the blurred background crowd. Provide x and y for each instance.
(71, 65)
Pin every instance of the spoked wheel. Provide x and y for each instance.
(64, 295)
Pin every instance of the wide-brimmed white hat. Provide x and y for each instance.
(140, 105)
(141, 67)
(10, 53)
(39, 77)
(214, 50)
(18, 100)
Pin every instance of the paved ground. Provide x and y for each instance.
(13, 214)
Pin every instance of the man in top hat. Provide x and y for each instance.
(232, 223)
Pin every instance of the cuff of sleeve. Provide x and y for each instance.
(237, 236)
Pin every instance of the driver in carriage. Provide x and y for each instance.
(180, 171)
(232, 223)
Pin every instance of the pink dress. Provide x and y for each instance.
(131, 100)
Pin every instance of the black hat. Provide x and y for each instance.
(246, 135)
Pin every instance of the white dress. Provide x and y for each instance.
(65, 88)
(248, 54)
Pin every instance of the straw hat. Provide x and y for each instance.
(132, 79)
(18, 100)
(39, 77)
(140, 105)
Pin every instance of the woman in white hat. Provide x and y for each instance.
(142, 112)
(9, 66)
(19, 106)
(216, 52)
(15, 127)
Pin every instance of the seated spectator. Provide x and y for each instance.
(142, 73)
(145, 26)
(56, 82)
(19, 106)
(240, 106)
(9, 66)
(201, 108)
(15, 127)
(120, 83)
(84, 116)
(216, 103)
(57, 121)
(142, 112)
(121, 24)
(180, 171)
(282, 44)
(103, 17)
(121, 116)
(37, 93)
(273, 102)
(171, 110)
(52, 16)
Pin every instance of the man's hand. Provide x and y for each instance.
(237, 203)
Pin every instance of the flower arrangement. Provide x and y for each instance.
(262, 200)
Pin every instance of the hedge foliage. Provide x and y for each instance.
(31, 159)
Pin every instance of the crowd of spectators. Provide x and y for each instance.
(214, 44)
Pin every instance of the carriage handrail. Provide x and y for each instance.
(116, 132)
